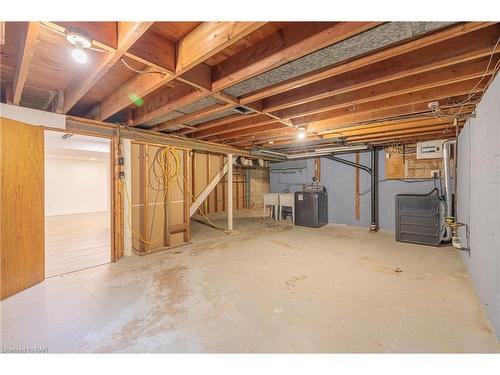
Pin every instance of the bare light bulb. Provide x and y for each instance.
(79, 55)
(301, 134)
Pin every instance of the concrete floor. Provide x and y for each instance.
(266, 288)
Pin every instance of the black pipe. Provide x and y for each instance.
(374, 191)
(351, 163)
(373, 171)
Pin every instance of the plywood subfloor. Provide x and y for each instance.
(269, 287)
(75, 242)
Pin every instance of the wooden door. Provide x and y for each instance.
(22, 247)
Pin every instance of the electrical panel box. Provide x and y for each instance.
(430, 149)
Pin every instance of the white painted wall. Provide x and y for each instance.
(74, 185)
(33, 116)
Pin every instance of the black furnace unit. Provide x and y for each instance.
(311, 207)
(420, 218)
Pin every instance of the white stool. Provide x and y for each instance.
(287, 200)
(271, 199)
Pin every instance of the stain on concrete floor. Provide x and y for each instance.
(269, 287)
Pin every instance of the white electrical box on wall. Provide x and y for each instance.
(430, 149)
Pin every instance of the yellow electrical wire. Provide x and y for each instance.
(169, 171)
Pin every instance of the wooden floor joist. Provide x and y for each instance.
(187, 77)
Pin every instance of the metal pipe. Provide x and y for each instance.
(350, 163)
(373, 171)
(374, 191)
(447, 186)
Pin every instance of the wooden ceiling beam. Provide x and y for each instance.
(399, 105)
(208, 39)
(166, 101)
(411, 139)
(433, 38)
(438, 130)
(398, 101)
(128, 34)
(182, 120)
(384, 54)
(203, 42)
(26, 50)
(380, 129)
(217, 122)
(245, 123)
(261, 130)
(452, 90)
(432, 63)
(290, 43)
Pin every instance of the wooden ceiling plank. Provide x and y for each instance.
(26, 51)
(128, 34)
(289, 43)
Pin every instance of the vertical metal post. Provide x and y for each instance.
(374, 191)
(230, 192)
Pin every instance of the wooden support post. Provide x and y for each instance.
(144, 199)
(128, 210)
(237, 191)
(207, 202)
(186, 218)
(230, 192)
(166, 206)
(356, 188)
(193, 177)
(317, 169)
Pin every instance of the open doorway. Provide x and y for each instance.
(77, 202)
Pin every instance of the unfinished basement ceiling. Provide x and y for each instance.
(316, 76)
(379, 37)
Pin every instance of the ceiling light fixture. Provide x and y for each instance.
(270, 142)
(79, 55)
(81, 41)
(301, 134)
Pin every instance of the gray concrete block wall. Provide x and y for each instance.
(478, 199)
(339, 181)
